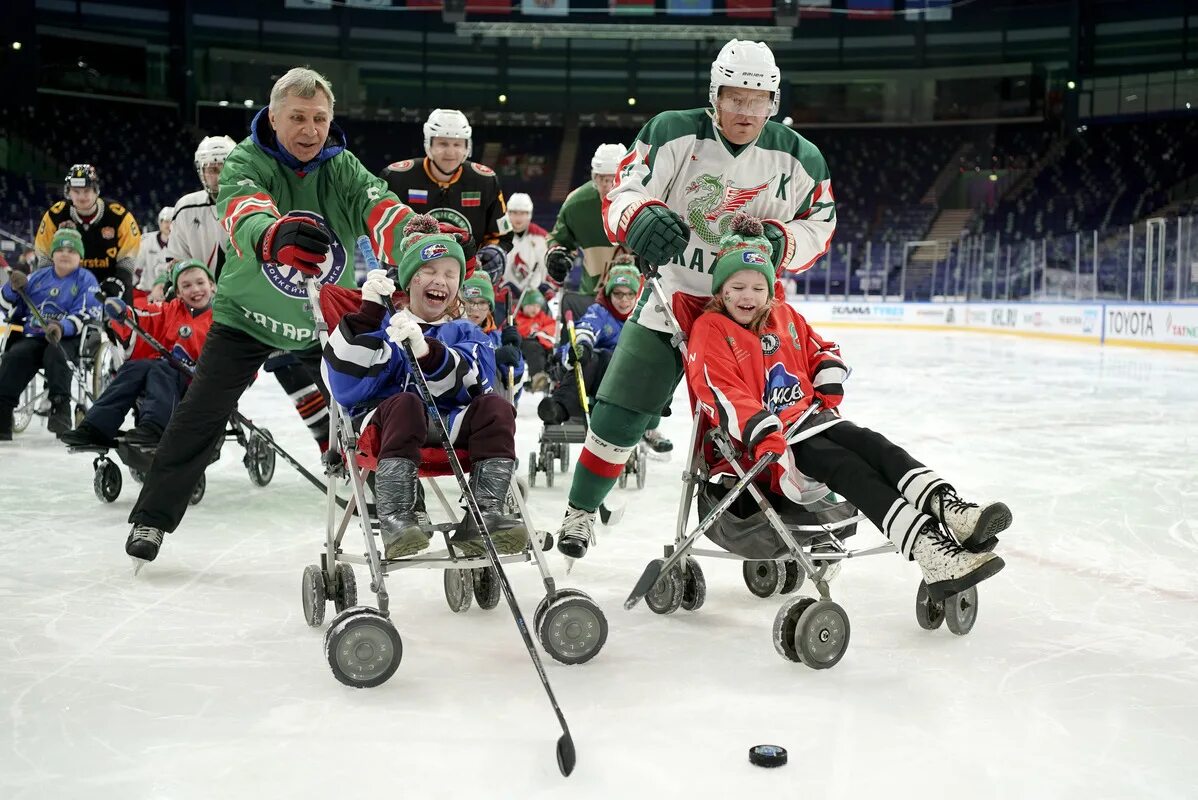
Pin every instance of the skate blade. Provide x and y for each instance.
(138, 564)
(569, 564)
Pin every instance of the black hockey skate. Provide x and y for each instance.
(143, 545)
(657, 444)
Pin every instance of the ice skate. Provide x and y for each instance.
(147, 434)
(395, 501)
(60, 415)
(976, 527)
(659, 446)
(577, 533)
(490, 481)
(948, 568)
(143, 545)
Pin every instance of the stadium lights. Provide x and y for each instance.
(632, 101)
(993, 176)
(1187, 104)
(1070, 85)
(248, 104)
(503, 98)
(16, 45)
(223, 103)
(623, 31)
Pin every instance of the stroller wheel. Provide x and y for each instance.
(694, 586)
(642, 466)
(459, 589)
(197, 494)
(107, 480)
(564, 457)
(260, 458)
(572, 629)
(666, 595)
(23, 413)
(793, 578)
(785, 622)
(928, 613)
(345, 587)
(822, 634)
(623, 478)
(486, 587)
(961, 611)
(543, 606)
(547, 465)
(764, 578)
(532, 469)
(312, 593)
(363, 648)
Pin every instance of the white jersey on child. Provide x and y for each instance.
(197, 232)
(680, 159)
(526, 261)
(152, 260)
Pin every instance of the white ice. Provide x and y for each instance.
(199, 678)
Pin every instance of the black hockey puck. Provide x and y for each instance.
(767, 755)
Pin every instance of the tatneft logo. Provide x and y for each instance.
(1180, 329)
(1129, 323)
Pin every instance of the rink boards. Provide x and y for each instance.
(1160, 326)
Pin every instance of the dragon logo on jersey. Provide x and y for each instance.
(782, 389)
(709, 211)
(290, 281)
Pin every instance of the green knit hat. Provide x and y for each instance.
(744, 246)
(182, 266)
(423, 243)
(531, 296)
(625, 275)
(67, 237)
(478, 287)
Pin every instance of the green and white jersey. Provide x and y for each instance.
(680, 159)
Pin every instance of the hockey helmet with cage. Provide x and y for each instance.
(80, 176)
(746, 65)
(606, 160)
(212, 150)
(449, 123)
(520, 202)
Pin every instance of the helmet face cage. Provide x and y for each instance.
(450, 124)
(212, 150)
(80, 176)
(748, 65)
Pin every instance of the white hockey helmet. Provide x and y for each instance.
(166, 214)
(450, 123)
(212, 150)
(749, 65)
(520, 202)
(606, 160)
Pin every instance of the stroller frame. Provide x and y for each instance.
(806, 630)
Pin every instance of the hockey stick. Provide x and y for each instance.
(578, 379)
(566, 755)
(187, 369)
(41, 321)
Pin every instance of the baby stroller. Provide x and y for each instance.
(555, 440)
(780, 542)
(362, 645)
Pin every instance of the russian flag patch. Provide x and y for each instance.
(418, 197)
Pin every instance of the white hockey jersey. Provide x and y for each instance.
(526, 260)
(197, 232)
(680, 159)
(152, 261)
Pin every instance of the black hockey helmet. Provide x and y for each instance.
(80, 176)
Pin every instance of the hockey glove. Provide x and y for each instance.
(116, 308)
(378, 287)
(53, 331)
(656, 234)
(558, 262)
(405, 329)
(507, 356)
(579, 355)
(510, 336)
(773, 442)
(18, 281)
(494, 261)
(780, 243)
(112, 287)
(297, 242)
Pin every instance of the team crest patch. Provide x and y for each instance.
(54, 292)
(472, 293)
(753, 257)
(782, 389)
(185, 332)
(431, 251)
(483, 169)
(770, 344)
(401, 166)
(290, 281)
(108, 233)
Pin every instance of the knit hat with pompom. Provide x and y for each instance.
(744, 246)
(423, 242)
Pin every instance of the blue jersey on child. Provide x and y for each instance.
(70, 300)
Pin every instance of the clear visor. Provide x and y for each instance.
(756, 106)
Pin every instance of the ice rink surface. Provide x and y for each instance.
(199, 678)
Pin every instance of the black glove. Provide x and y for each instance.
(579, 355)
(510, 336)
(112, 287)
(493, 261)
(297, 242)
(18, 281)
(507, 356)
(657, 234)
(558, 262)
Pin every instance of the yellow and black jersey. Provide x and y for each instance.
(110, 240)
(470, 199)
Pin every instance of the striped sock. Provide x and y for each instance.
(613, 434)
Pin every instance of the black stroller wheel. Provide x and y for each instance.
(459, 589)
(785, 623)
(532, 469)
(363, 648)
(666, 595)
(694, 586)
(822, 634)
(107, 480)
(764, 578)
(260, 458)
(929, 613)
(345, 588)
(197, 493)
(313, 596)
(642, 467)
(961, 611)
(564, 457)
(486, 587)
(572, 628)
(793, 579)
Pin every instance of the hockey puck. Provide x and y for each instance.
(767, 755)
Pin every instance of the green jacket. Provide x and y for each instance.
(260, 183)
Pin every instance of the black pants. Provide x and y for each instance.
(225, 369)
(860, 465)
(592, 373)
(154, 382)
(24, 358)
(535, 356)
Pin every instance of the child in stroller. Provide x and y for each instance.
(369, 374)
(537, 332)
(478, 300)
(755, 366)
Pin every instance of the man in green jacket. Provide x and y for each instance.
(580, 224)
(293, 200)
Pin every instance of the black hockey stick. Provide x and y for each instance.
(130, 319)
(566, 755)
(37, 314)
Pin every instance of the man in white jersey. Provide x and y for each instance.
(526, 262)
(676, 191)
(197, 232)
(153, 260)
